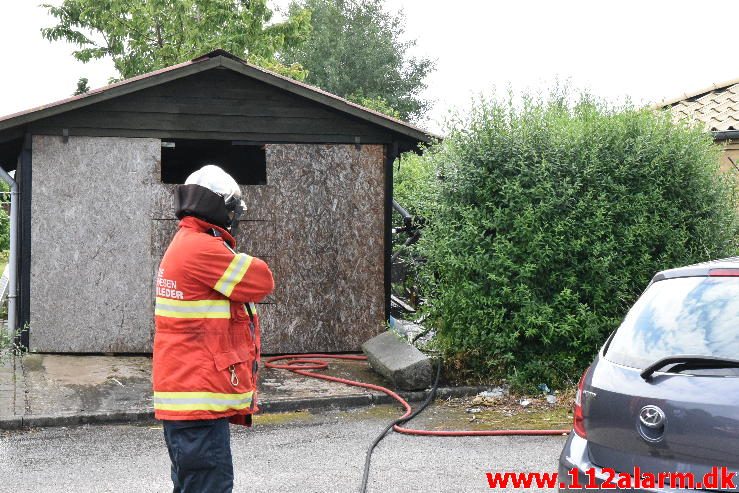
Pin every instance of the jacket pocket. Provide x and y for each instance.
(236, 366)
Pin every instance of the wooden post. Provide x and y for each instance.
(23, 177)
(391, 153)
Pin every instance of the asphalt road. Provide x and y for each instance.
(297, 452)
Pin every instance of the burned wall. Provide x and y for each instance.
(91, 262)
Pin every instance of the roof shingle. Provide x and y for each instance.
(716, 107)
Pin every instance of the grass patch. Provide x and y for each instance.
(504, 413)
(277, 419)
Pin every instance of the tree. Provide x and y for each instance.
(144, 35)
(82, 86)
(549, 221)
(378, 104)
(356, 51)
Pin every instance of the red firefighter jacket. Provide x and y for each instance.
(206, 348)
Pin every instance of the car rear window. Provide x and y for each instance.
(689, 315)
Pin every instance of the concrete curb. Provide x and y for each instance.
(56, 420)
(275, 406)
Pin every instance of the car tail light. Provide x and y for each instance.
(578, 424)
(723, 272)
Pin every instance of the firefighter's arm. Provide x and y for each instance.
(238, 276)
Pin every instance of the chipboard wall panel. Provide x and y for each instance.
(91, 262)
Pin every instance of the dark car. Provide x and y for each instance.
(658, 410)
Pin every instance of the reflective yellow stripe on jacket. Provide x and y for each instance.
(166, 307)
(234, 274)
(200, 401)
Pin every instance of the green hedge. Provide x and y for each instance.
(549, 219)
(415, 184)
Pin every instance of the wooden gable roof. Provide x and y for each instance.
(215, 96)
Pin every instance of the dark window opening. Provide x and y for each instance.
(246, 163)
(9, 152)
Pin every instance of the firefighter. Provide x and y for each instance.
(207, 341)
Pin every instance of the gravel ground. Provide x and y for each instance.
(285, 453)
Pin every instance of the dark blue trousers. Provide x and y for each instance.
(201, 455)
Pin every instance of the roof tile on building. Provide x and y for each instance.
(716, 107)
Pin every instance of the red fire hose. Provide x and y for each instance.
(303, 364)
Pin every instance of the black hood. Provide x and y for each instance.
(200, 202)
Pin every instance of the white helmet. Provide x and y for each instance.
(189, 201)
(216, 180)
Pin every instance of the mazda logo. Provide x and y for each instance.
(652, 417)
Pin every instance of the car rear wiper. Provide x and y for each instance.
(704, 361)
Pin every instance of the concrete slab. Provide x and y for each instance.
(401, 363)
(69, 390)
(20, 391)
(63, 384)
(7, 388)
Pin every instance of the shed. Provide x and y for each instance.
(97, 174)
(716, 108)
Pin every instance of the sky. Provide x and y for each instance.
(646, 50)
